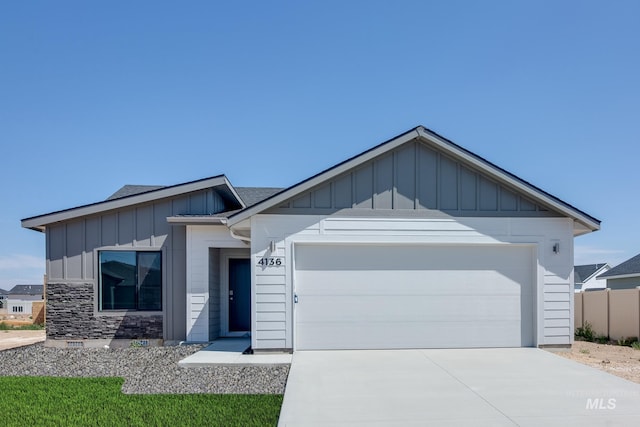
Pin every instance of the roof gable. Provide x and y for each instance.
(414, 176)
(219, 183)
(479, 184)
(582, 273)
(630, 267)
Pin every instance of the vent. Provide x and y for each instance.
(140, 343)
(75, 344)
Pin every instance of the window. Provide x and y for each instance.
(18, 309)
(130, 280)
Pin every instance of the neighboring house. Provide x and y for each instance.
(625, 275)
(585, 276)
(3, 297)
(21, 297)
(415, 243)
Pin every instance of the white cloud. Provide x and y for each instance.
(21, 262)
(595, 255)
(20, 269)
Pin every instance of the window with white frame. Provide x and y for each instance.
(18, 309)
(130, 280)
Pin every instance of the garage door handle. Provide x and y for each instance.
(295, 299)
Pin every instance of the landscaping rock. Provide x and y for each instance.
(146, 370)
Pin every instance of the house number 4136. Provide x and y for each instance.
(270, 262)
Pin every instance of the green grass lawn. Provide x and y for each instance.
(7, 327)
(47, 401)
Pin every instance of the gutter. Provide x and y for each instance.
(187, 220)
(207, 220)
(244, 239)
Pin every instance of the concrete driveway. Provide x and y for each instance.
(12, 339)
(479, 387)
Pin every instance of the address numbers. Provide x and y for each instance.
(270, 262)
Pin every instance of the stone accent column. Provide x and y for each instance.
(70, 315)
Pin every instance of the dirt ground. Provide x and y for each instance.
(12, 339)
(618, 360)
(4, 317)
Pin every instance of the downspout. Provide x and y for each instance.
(246, 240)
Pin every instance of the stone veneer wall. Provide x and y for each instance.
(70, 315)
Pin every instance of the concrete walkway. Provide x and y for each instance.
(19, 338)
(229, 351)
(479, 387)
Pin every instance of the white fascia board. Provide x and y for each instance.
(505, 177)
(322, 177)
(235, 193)
(620, 276)
(195, 220)
(39, 222)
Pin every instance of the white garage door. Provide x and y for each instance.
(376, 297)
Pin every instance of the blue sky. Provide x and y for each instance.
(95, 95)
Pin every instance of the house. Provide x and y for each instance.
(21, 297)
(414, 243)
(585, 276)
(3, 297)
(625, 275)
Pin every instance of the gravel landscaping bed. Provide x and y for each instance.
(148, 370)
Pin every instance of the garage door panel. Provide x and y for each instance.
(358, 297)
(418, 308)
(407, 258)
(405, 335)
(414, 283)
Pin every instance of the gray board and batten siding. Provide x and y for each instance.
(414, 177)
(623, 283)
(72, 246)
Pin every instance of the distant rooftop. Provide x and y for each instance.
(629, 267)
(584, 272)
(27, 290)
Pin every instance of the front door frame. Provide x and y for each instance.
(225, 256)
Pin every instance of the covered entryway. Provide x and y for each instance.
(239, 295)
(413, 296)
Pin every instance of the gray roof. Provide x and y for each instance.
(252, 195)
(581, 273)
(132, 190)
(3, 292)
(628, 268)
(577, 279)
(27, 290)
(219, 183)
(249, 195)
(583, 222)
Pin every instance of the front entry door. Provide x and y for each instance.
(239, 295)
